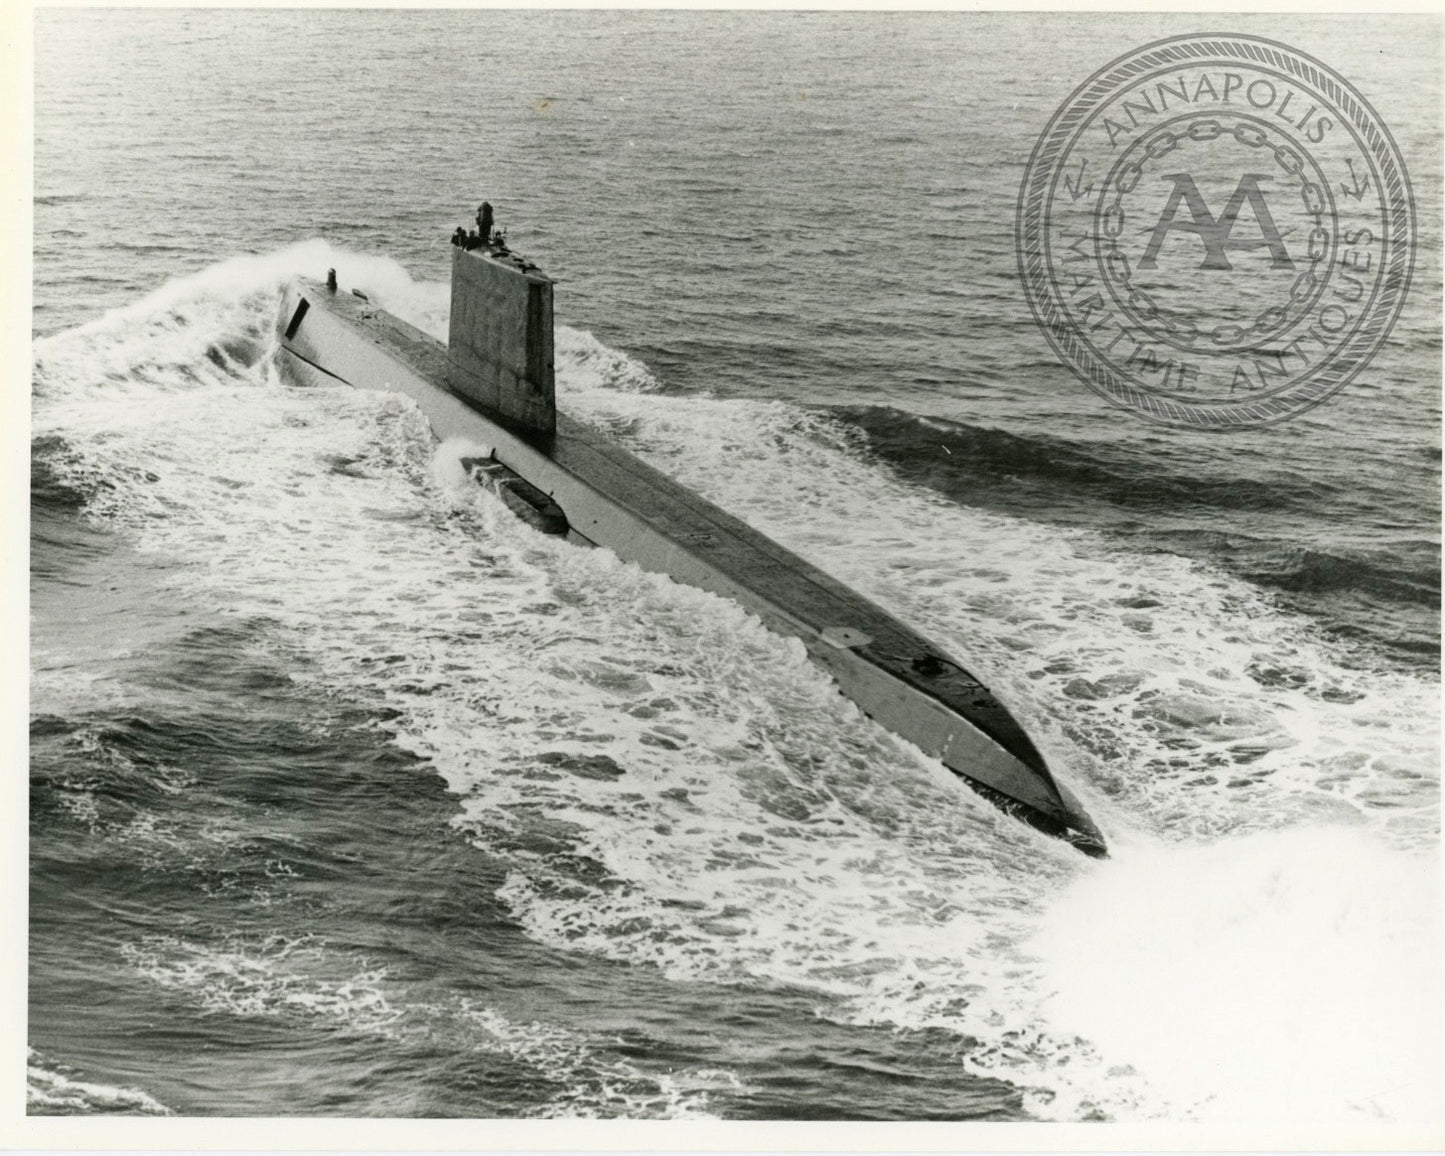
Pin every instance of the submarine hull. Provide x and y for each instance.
(611, 498)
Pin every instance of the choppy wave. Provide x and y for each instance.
(56, 1090)
(1384, 590)
(276, 977)
(304, 980)
(594, 1086)
(668, 784)
(1117, 473)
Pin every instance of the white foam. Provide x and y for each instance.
(450, 476)
(595, 1086)
(588, 365)
(304, 978)
(49, 1092)
(1272, 977)
(275, 976)
(235, 279)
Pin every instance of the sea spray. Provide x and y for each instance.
(1278, 976)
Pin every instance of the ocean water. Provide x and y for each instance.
(351, 795)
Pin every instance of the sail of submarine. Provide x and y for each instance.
(493, 384)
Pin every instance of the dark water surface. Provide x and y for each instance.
(350, 795)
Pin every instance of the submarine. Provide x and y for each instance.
(493, 384)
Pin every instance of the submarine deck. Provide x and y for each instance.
(712, 549)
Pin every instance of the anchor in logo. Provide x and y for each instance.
(1075, 186)
(1358, 191)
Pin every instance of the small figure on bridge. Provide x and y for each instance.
(459, 238)
(331, 280)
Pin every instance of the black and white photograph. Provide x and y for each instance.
(733, 566)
